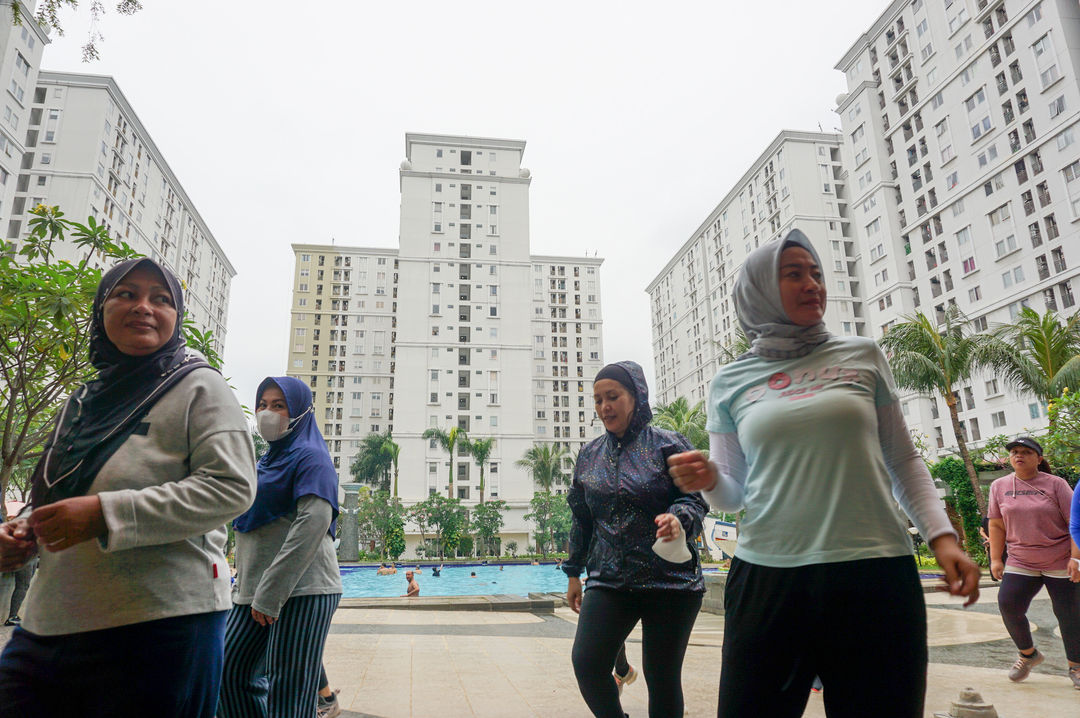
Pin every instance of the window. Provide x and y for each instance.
(999, 215)
(1057, 106)
(998, 419)
(1046, 61)
(1065, 139)
(952, 180)
(992, 388)
(978, 114)
(969, 265)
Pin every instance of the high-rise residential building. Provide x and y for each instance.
(960, 122)
(87, 152)
(797, 182)
(460, 326)
(20, 59)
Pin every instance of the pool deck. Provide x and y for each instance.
(426, 661)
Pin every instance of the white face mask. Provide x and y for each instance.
(271, 425)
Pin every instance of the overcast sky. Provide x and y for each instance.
(285, 122)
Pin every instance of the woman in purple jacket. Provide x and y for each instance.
(623, 502)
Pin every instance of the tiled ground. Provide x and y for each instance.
(426, 664)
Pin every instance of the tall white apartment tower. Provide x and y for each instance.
(798, 182)
(459, 327)
(88, 153)
(960, 119)
(20, 60)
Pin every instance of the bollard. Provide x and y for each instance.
(970, 704)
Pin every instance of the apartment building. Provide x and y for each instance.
(87, 152)
(799, 181)
(444, 331)
(960, 122)
(21, 47)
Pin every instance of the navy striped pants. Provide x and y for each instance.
(273, 671)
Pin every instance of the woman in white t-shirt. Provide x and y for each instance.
(806, 435)
(1029, 512)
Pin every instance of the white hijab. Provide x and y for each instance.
(760, 309)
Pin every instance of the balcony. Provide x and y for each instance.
(1002, 85)
(1014, 72)
(1014, 141)
(995, 56)
(1029, 131)
(1044, 194)
(1021, 172)
(1028, 202)
(1007, 112)
(1022, 103)
(988, 28)
(1042, 267)
(1036, 162)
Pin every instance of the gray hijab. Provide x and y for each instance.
(761, 311)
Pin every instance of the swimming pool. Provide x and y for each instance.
(517, 579)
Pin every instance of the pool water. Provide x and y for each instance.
(517, 579)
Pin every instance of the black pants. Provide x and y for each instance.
(859, 625)
(607, 617)
(1014, 598)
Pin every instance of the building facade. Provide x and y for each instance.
(87, 152)
(21, 47)
(960, 122)
(444, 331)
(798, 182)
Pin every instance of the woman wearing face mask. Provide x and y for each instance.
(287, 583)
(1029, 512)
(146, 463)
(807, 436)
(624, 504)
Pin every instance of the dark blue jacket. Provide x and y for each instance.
(620, 486)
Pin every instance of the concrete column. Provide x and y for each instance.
(349, 548)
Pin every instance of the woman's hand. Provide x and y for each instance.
(1074, 569)
(64, 524)
(17, 544)
(573, 594)
(668, 527)
(261, 618)
(961, 573)
(691, 471)
(997, 569)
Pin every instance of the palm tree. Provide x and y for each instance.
(930, 360)
(481, 450)
(448, 440)
(738, 346)
(1037, 355)
(391, 449)
(371, 465)
(685, 419)
(544, 464)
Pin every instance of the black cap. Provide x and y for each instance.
(1025, 441)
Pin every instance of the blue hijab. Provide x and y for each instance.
(296, 465)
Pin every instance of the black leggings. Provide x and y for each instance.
(607, 617)
(859, 625)
(1014, 598)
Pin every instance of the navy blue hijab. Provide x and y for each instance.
(296, 465)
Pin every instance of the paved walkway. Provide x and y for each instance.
(427, 664)
(393, 663)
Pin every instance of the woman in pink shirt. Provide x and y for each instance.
(1029, 513)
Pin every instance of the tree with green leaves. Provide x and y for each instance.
(448, 441)
(45, 311)
(481, 450)
(511, 548)
(544, 462)
(1036, 355)
(447, 517)
(487, 521)
(687, 420)
(1062, 442)
(951, 471)
(372, 463)
(382, 517)
(549, 516)
(393, 451)
(932, 360)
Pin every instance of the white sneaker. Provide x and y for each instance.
(622, 681)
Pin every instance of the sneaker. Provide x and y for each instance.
(329, 707)
(1022, 668)
(1074, 675)
(622, 681)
